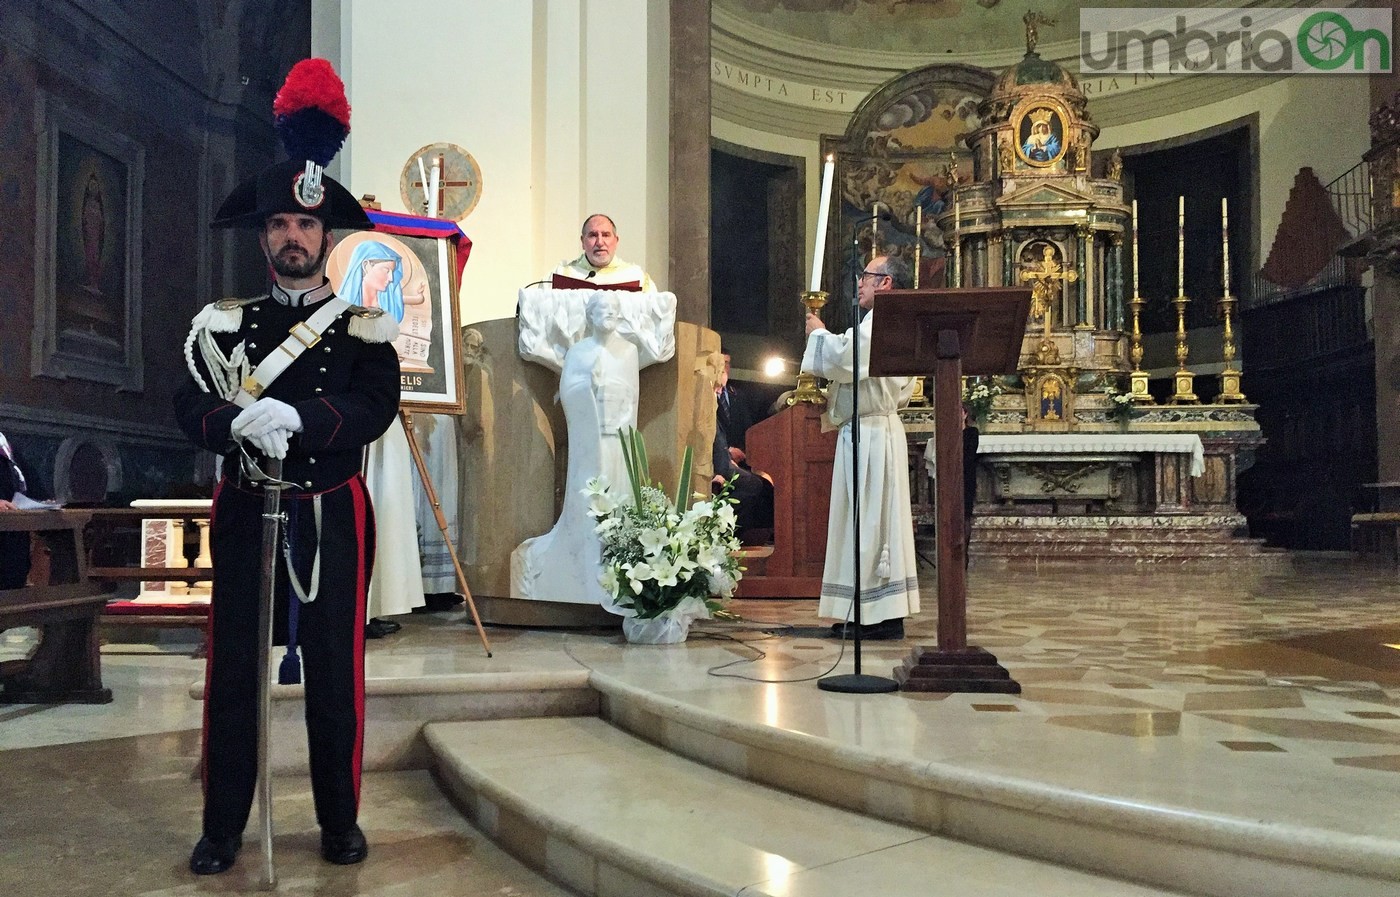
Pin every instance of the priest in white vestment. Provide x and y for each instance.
(889, 585)
(599, 262)
(598, 342)
(396, 584)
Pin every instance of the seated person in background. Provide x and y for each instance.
(970, 437)
(754, 491)
(14, 547)
(599, 263)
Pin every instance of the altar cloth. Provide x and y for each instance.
(1094, 443)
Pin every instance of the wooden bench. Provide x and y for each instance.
(109, 536)
(66, 666)
(1377, 535)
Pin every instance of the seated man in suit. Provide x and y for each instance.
(754, 491)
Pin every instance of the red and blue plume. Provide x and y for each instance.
(311, 113)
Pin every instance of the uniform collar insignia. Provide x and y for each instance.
(295, 298)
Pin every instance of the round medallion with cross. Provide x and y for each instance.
(459, 181)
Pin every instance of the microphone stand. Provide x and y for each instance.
(857, 683)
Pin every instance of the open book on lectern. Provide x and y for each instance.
(564, 282)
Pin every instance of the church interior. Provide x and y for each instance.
(1184, 528)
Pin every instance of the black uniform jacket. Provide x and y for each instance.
(345, 389)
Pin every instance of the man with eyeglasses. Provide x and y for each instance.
(889, 584)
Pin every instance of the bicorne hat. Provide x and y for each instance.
(312, 116)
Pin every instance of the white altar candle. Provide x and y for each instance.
(434, 179)
(1225, 238)
(823, 209)
(874, 230)
(1181, 246)
(1135, 250)
(423, 176)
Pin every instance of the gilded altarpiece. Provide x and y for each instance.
(983, 180)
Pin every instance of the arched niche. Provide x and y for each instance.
(86, 470)
(905, 148)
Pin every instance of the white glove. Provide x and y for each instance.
(272, 444)
(264, 416)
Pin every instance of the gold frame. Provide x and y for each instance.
(1028, 106)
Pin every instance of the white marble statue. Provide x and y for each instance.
(598, 342)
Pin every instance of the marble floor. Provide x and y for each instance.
(1237, 694)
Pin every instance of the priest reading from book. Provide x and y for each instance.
(599, 267)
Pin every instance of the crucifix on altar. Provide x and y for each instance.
(1046, 280)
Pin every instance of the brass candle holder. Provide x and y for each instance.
(807, 390)
(1137, 379)
(1229, 378)
(1184, 379)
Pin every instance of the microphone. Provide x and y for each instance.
(538, 283)
(882, 216)
(590, 275)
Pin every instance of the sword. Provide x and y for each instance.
(272, 518)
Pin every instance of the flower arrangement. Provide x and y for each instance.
(1120, 404)
(659, 560)
(978, 395)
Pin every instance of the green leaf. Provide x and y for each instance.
(683, 484)
(643, 468)
(629, 459)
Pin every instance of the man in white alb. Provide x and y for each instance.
(599, 263)
(889, 586)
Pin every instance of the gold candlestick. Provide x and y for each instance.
(1229, 378)
(807, 390)
(918, 243)
(957, 242)
(1137, 379)
(1183, 378)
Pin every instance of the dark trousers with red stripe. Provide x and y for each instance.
(330, 633)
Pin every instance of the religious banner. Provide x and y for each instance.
(411, 267)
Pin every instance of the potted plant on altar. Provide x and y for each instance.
(1120, 406)
(979, 394)
(664, 564)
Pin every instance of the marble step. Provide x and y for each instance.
(1142, 539)
(1157, 529)
(1119, 548)
(396, 707)
(1110, 828)
(607, 814)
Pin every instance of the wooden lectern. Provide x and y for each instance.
(950, 332)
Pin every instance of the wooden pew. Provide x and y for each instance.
(110, 537)
(66, 666)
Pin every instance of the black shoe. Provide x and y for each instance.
(346, 848)
(885, 630)
(435, 602)
(378, 627)
(214, 855)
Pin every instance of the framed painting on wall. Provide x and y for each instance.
(87, 316)
(411, 266)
